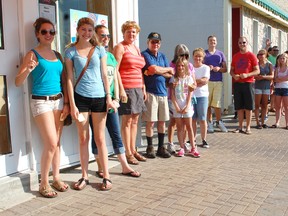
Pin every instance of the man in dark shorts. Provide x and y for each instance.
(244, 67)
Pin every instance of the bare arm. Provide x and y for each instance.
(255, 72)
(28, 65)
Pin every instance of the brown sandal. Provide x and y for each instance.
(105, 186)
(139, 157)
(48, 192)
(60, 186)
(81, 184)
(132, 160)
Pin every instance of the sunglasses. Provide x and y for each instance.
(155, 42)
(244, 42)
(261, 53)
(184, 55)
(51, 32)
(105, 35)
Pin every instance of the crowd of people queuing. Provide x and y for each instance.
(95, 86)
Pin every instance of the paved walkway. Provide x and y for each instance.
(239, 175)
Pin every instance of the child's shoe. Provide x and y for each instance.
(181, 152)
(194, 153)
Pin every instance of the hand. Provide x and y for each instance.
(74, 112)
(236, 77)
(31, 63)
(216, 69)
(123, 97)
(268, 42)
(243, 75)
(65, 111)
(191, 87)
(110, 104)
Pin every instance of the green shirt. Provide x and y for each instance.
(111, 68)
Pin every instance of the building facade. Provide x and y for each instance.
(191, 22)
(20, 142)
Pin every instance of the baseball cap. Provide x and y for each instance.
(275, 48)
(154, 36)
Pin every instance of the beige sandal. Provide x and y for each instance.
(139, 157)
(48, 192)
(132, 160)
(60, 186)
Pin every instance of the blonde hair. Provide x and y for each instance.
(130, 24)
(86, 21)
(186, 67)
(200, 51)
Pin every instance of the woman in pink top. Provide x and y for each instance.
(132, 88)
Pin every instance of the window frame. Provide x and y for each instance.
(1, 28)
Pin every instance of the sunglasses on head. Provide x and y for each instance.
(51, 32)
(105, 35)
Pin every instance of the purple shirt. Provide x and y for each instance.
(215, 59)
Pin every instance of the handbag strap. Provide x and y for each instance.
(85, 67)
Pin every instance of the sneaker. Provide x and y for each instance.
(187, 147)
(194, 153)
(150, 152)
(221, 126)
(210, 127)
(205, 144)
(171, 148)
(162, 152)
(181, 152)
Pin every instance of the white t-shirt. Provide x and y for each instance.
(200, 72)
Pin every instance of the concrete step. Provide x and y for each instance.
(17, 188)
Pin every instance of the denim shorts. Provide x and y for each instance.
(39, 106)
(200, 109)
(281, 91)
(262, 91)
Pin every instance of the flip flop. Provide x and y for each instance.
(134, 174)
(105, 186)
(99, 174)
(77, 185)
(274, 126)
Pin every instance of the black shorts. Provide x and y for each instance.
(86, 104)
(243, 96)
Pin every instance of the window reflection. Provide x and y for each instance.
(5, 141)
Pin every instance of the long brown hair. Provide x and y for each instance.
(83, 21)
(186, 67)
(38, 23)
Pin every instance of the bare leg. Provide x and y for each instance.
(171, 129)
(278, 101)
(248, 114)
(126, 132)
(133, 134)
(257, 105)
(240, 114)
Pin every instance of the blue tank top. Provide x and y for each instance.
(46, 76)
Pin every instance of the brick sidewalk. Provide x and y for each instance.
(239, 175)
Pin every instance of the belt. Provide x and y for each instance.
(54, 97)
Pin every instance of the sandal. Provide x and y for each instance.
(265, 126)
(81, 184)
(134, 173)
(248, 132)
(48, 192)
(238, 130)
(105, 186)
(99, 174)
(132, 160)
(259, 126)
(60, 186)
(139, 157)
(274, 126)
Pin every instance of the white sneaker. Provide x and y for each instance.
(210, 127)
(187, 147)
(171, 148)
(221, 126)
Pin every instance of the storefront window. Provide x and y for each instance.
(1, 28)
(5, 141)
(94, 8)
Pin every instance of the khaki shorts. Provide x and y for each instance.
(157, 108)
(215, 94)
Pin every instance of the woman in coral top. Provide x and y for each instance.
(132, 88)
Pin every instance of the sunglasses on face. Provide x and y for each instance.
(244, 42)
(51, 32)
(155, 42)
(261, 53)
(105, 35)
(184, 55)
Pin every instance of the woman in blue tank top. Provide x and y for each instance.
(49, 100)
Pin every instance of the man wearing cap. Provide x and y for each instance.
(155, 73)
